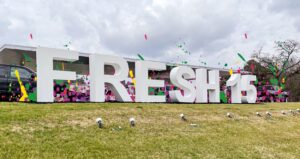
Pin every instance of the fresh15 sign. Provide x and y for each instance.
(205, 88)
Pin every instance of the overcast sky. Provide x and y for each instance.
(211, 30)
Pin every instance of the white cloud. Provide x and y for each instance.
(211, 28)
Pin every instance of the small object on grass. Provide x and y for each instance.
(194, 125)
(132, 122)
(268, 114)
(258, 114)
(283, 112)
(292, 112)
(182, 117)
(118, 128)
(229, 115)
(99, 122)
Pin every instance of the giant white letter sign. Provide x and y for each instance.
(235, 86)
(143, 83)
(46, 74)
(178, 77)
(212, 86)
(250, 89)
(240, 83)
(98, 79)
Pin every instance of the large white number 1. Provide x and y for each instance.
(235, 85)
(240, 83)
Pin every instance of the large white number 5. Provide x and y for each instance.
(240, 83)
(250, 89)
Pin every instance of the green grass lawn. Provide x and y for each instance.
(70, 131)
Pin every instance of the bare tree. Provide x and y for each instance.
(285, 63)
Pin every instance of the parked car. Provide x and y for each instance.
(9, 84)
